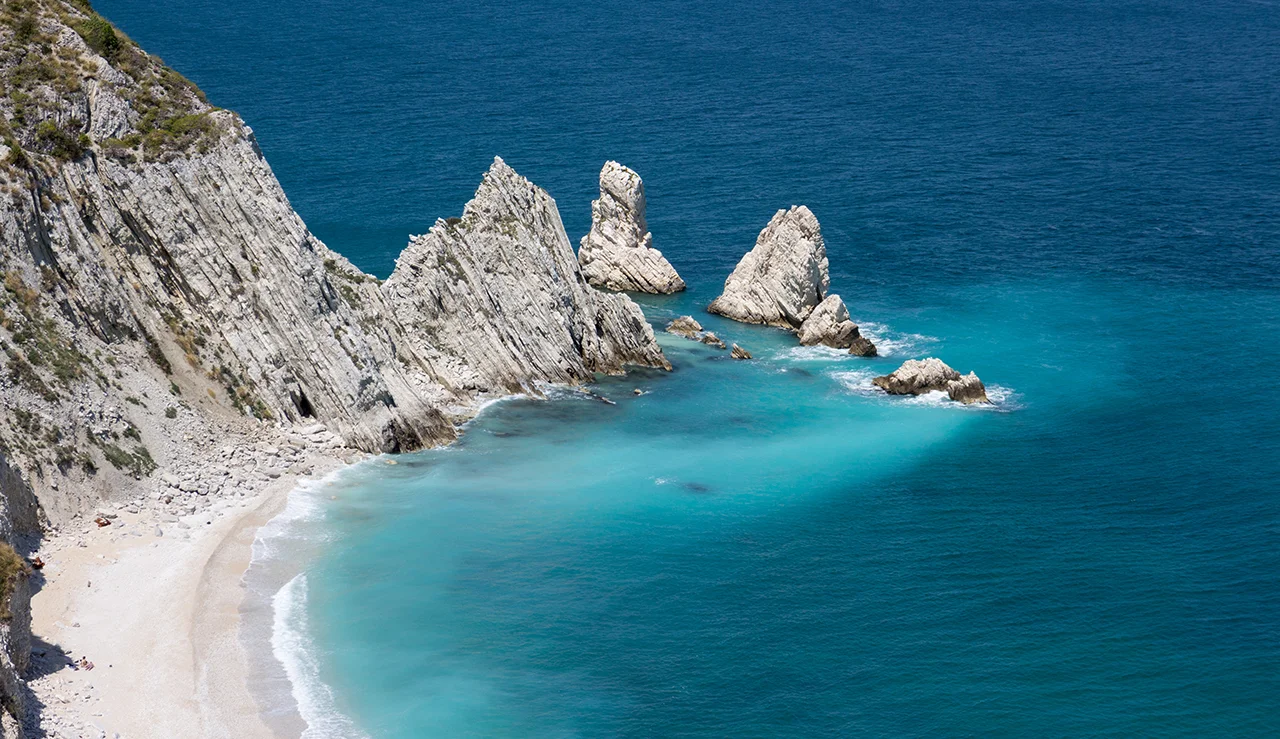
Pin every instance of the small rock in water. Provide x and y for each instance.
(739, 353)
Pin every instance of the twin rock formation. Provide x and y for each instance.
(783, 282)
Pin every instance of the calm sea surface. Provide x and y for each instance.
(1079, 201)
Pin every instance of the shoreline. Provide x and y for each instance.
(154, 601)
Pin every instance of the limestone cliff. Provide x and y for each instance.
(618, 253)
(496, 301)
(158, 292)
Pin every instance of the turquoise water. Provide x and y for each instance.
(1079, 202)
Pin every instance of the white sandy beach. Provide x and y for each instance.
(159, 618)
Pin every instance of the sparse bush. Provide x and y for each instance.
(12, 567)
(170, 412)
(61, 143)
(100, 36)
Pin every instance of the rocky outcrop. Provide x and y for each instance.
(685, 326)
(920, 376)
(494, 302)
(782, 279)
(829, 324)
(618, 253)
(690, 329)
(709, 338)
(968, 390)
(739, 353)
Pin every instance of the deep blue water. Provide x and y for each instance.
(1081, 202)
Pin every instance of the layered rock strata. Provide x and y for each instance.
(829, 324)
(496, 302)
(618, 252)
(920, 376)
(739, 353)
(782, 279)
(158, 291)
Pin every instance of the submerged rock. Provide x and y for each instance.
(711, 339)
(829, 324)
(782, 279)
(920, 376)
(739, 353)
(618, 252)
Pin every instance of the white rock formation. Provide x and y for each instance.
(739, 353)
(782, 279)
(917, 377)
(618, 253)
(494, 301)
(968, 390)
(829, 324)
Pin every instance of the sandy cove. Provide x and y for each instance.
(153, 601)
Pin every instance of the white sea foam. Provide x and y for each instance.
(279, 549)
(858, 382)
(303, 505)
(817, 353)
(294, 649)
(890, 343)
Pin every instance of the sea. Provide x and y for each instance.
(1079, 201)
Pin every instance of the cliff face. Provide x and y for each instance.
(158, 292)
(154, 267)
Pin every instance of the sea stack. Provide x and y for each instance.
(920, 376)
(492, 299)
(783, 282)
(618, 253)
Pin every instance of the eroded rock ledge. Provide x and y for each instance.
(618, 253)
(920, 376)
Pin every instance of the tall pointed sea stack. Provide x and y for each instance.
(618, 253)
(783, 282)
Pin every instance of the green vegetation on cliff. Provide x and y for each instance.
(54, 53)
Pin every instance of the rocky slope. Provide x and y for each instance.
(618, 253)
(158, 292)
